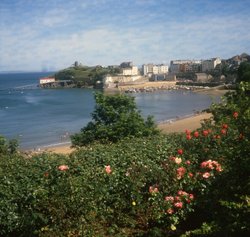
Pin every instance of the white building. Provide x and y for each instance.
(209, 65)
(130, 71)
(46, 80)
(154, 69)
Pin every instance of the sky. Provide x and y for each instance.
(49, 35)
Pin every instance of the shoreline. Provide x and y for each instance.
(169, 86)
(175, 125)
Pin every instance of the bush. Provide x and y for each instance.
(7, 147)
(225, 206)
(134, 187)
(114, 118)
(191, 184)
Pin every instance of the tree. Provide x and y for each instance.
(114, 117)
(244, 72)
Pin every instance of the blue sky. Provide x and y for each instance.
(52, 34)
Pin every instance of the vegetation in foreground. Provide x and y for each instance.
(191, 184)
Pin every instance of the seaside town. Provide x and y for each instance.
(125, 118)
(127, 77)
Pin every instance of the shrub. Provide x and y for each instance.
(133, 187)
(7, 147)
(225, 206)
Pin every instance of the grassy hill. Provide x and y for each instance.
(85, 76)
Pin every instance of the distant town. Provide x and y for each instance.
(210, 71)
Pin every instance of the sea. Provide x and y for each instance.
(47, 117)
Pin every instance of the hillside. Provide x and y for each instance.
(85, 76)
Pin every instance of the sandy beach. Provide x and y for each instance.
(179, 125)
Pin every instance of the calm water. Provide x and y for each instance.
(40, 117)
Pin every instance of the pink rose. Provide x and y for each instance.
(189, 137)
(205, 133)
(196, 134)
(178, 204)
(182, 193)
(63, 167)
(169, 198)
(188, 162)
(191, 196)
(206, 175)
(180, 172)
(218, 168)
(108, 169)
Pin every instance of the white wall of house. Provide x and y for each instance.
(47, 80)
(154, 69)
(130, 71)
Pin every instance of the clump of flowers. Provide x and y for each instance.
(181, 172)
(211, 165)
(175, 203)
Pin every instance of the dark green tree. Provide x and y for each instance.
(114, 117)
(244, 72)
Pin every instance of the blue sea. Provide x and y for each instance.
(43, 117)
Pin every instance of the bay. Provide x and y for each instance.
(42, 117)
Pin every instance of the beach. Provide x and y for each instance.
(178, 126)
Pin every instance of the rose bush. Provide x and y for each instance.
(140, 186)
(195, 183)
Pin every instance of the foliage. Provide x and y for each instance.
(7, 147)
(226, 206)
(244, 72)
(115, 117)
(84, 75)
(139, 186)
